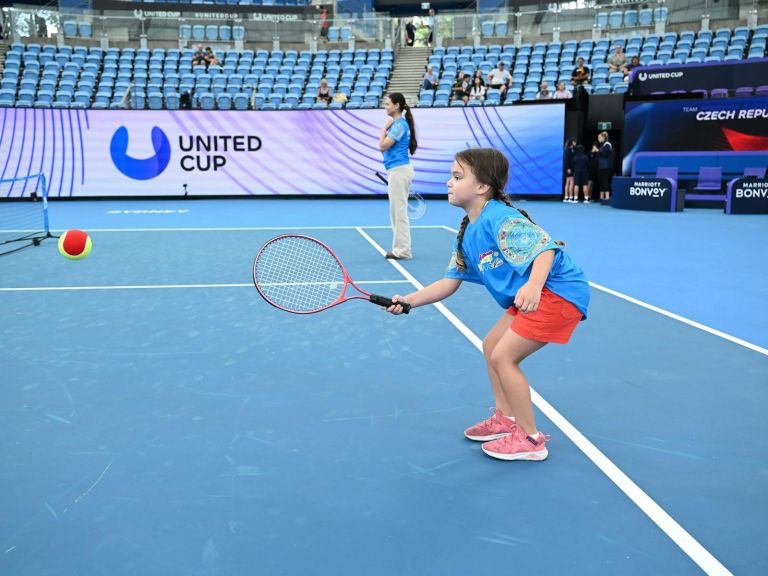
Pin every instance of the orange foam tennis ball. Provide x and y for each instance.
(75, 244)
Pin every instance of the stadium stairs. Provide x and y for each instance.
(408, 72)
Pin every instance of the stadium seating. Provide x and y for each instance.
(83, 76)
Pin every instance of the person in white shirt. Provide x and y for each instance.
(544, 93)
(618, 61)
(430, 80)
(562, 93)
(477, 92)
(500, 78)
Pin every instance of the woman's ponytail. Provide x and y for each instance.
(412, 145)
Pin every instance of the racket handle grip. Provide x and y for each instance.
(384, 301)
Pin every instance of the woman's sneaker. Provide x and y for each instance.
(497, 426)
(518, 446)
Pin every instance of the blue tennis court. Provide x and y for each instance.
(158, 417)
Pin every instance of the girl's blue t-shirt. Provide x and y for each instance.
(499, 248)
(397, 154)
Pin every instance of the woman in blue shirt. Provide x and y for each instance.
(397, 139)
(544, 293)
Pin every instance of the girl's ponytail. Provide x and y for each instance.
(412, 145)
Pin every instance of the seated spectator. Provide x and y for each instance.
(461, 88)
(544, 93)
(634, 63)
(478, 74)
(324, 92)
(340, 97)
(500, 79)
(580, 73)
(617, 61)
(562, 93)
(477, 92)
(430, 80)
(198, 58)
(210, 57)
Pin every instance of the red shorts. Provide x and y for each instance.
(553, 321)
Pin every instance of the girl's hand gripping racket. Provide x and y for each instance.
(302, 275)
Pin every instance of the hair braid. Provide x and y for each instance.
(460, 265)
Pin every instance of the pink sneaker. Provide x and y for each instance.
(518, 446)
(497, 426)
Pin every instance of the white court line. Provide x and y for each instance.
(236, 229)
(672, 315)
(682, 319)
(687, 543)
(164, 286)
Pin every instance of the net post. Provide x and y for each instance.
(44, 186)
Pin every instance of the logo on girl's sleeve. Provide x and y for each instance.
(520, 240)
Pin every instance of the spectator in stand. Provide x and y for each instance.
(634, 63)
(461, 88)
(431, 21)
(430, 80)
(478, 74)
(325, 23)
(210, 57)
(562, 93)
(198, 58)
(500, 79)
(324, 92)
(477, 92)
(617, 61)
(544, 93)
(580, 74)
(410, 32)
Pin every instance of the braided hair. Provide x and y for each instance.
(490, 167)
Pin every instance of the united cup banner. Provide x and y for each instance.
(308, 152)
(710, 75)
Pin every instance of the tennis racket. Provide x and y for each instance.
(300, 274)
(417, 206)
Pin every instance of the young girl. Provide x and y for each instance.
(396, 140)
(544, 294)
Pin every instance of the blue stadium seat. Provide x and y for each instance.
(185, 31)
(486, 28)
(155, 100)
(346, 32)
(630, 18)
(198, 32)
(601, 19)
(85, 29)
(224, 101)
(645, 17)
(660, 14)
(500, 28)
(206, 101)
(225, 33)
(211, 32)
(70, 28)
(615, 19)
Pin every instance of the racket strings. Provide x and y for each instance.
(299, 274)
